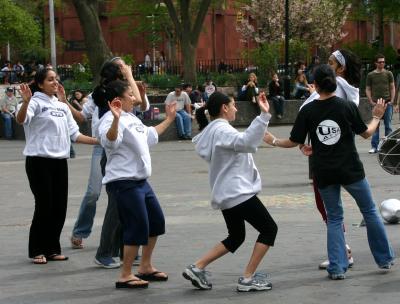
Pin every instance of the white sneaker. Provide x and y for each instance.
(372, 151)
(325, 264)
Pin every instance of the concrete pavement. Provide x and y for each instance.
(180, 181)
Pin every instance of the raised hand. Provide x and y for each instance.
(126, 71)
(311, 88)
(25, 92)
(263, 102)
(61, 94)
(379, 109)
(115, 107)
(170, 110)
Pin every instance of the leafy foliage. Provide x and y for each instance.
(17, 26)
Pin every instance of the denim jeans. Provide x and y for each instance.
(7, 118)
(377, 238)
(183, 123)
(387, 120)
(278, 102)
(84, 222)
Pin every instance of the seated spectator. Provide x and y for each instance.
(209, 88)
(78, 99)
(196, 97)
(249, 91)
(183, 118)
(18, 71)
(301, 89)
(8, 105)
(6, 72)
(275, 89)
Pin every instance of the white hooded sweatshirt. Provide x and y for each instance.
(233, 175)
(343, 90)
(49, 127)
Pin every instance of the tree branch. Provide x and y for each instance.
(174, 16)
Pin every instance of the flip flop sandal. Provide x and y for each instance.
(127, 285)
(76, 243)
(57, 257)
(152, 276)
(39, 260)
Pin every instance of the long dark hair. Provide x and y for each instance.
(109, 72)
(352, 70)
(213, 105)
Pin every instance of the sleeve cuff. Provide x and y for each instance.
(265, 117)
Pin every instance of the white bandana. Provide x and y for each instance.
(339, 57)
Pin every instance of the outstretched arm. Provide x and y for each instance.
(170, 111)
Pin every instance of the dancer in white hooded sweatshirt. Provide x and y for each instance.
(235, 183)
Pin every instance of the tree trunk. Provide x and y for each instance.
(189, 61)
(97, 49)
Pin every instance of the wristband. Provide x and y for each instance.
(274, 142)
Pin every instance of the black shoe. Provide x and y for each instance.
(187, 137)
(181, 137)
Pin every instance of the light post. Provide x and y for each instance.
(286, 84)
(52, 35)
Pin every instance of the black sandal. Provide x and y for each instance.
(127, 285)
(57, 257)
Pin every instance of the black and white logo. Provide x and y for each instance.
(328, 132)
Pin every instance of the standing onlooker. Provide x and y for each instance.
(380, 84)
(8, 105)
(147, 63)
(183, 119)
(49, 128)
(275, 91)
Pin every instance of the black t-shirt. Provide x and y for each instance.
(331, 124)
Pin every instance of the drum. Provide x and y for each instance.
(389, 153)
(390, 210)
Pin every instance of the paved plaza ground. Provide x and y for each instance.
(180, 181)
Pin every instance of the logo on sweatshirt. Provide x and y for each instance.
(328, 132)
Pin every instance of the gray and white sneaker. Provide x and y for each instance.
(257, 282)
(197, 276)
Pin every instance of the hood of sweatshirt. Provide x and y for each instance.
(204, 141)
(347, 91)
(44, 97)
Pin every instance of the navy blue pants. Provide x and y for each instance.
(139, 211)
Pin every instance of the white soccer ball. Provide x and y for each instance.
(390, 210)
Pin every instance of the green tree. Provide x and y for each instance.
(188, 18)
(14, 22)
